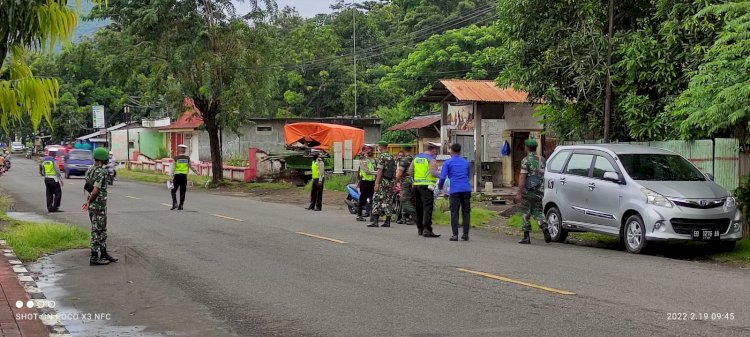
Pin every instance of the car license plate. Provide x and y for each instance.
(705, 234)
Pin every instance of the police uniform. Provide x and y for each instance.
(367, 170)
(383, 200)
(425, 181)
(179, 180)
(97, 208)
(318, 181)
(531, 206)
(52, 183)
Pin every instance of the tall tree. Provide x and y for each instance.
(201, 49)
(27, 25)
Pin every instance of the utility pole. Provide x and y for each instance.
(127, 137)
(354, 21)
(608, 90)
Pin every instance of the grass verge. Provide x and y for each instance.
(31, 240)
(740, 254)
(479, 215)
(334, 182)
(200, 181)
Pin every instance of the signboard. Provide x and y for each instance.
(98, 115)
(461, 116)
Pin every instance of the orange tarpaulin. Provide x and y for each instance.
(324, 134)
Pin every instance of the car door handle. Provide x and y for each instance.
(562, 181)
(592, 186)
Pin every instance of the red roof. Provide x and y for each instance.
(474, 91)
(416, 123)
(190, 119)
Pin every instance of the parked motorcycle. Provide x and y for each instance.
(352, 199)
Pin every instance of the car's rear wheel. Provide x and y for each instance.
(634, 234)
(554, 223)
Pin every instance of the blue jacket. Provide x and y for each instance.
(458, 170)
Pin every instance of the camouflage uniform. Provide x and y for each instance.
(384, 196)
(98, 209)
(406, 194)
(532, 199)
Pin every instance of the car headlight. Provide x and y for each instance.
(656, 198)
(730, 203)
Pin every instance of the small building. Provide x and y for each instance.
(482, 117)
(425, 128)
(99, 138)
(143, 138)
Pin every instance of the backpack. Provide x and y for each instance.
(389, 169)
(535, 179)
(88, 186)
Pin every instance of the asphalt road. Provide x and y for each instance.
(231, 266)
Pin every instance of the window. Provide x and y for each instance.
(557, 162)
(664, 167)
(579, 164)
(264, 129)
(602, 165)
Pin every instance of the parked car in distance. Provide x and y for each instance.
(17, 147)
(77, 162)
(637, 193)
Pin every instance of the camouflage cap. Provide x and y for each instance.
(382, 143)
(531, 142)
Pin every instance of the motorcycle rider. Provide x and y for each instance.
(111, 169)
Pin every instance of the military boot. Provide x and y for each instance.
(374, 221)
(526, 239)
(96, 261)
(545, 231)
(107, 257)
(387, 222)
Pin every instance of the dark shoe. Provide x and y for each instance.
(430, 235)
(400, 222)
(465, 237)
(387, 222)
(174, 206)
(545, 230)
(526, 239)
(310, 208)
(361, 218)
(374, 221)
(454, 238)
(317, 209)
(106, 256)
(179, 208)
(96, 261)
(419, 232)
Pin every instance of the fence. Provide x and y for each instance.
(719, 157)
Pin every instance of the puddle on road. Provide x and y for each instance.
(48, 276)
(29, 216)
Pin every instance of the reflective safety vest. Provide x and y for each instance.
(370, 167)
(181, 166)
(315, 170)
(422, 176)
(49, 169)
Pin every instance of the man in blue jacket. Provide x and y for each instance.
(458, 170)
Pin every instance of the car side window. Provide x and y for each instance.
(557, 162)
(602, 165)
(579, 164)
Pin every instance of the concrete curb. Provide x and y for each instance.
(48, 315)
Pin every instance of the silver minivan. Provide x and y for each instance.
(638, 193)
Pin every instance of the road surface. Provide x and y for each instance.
(232, 266)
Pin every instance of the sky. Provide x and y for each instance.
(306, 8)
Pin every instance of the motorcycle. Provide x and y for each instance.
(352, 199)
(111, 173)
(29, 154)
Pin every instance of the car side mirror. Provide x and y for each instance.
(612, 176)
(710, 176)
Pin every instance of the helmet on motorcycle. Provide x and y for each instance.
(101, 154)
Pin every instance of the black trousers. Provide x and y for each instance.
(180, 181)
(460, 200)
(316, 193)
(54, 194)
(366, 190)
(425, 204)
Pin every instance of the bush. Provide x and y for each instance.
(236, 160)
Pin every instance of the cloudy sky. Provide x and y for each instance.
(307, 8)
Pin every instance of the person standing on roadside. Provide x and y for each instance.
(458, 170)
(367, 171)
(96, 205)
(178, 176)
(531, 190)
(424, 169)
(318, 181)
(52, 182)
(383, 201)
(404, 184)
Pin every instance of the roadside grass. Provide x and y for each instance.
(479, 215)
(740, 254)
(31, 240)
(334, 182)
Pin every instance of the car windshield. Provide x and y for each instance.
(80, 155)
(664, 167)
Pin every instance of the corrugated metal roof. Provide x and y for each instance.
(416, 123)
(474, 91)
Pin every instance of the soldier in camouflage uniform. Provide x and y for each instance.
(532, 169)
(404, 180)
(383, 200)
(96, 205)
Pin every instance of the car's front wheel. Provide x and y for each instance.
(554, 223)
(634, 234)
